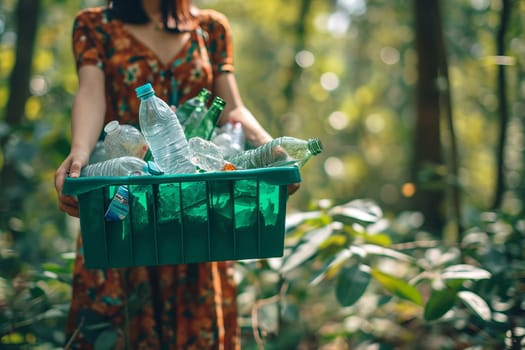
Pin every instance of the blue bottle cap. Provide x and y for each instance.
(153, 168)
(145, 90)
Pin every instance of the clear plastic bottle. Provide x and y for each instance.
(207, 156)
(195, 107)
(204, 126)
(282, 151)
(124, 140)
(230, 139)
(163, 133)
(121, 166)
(238, 137)
(99, 153)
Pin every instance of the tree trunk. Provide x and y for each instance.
(427, 157)
(452, 183)
(300, 43)
(503, 108)
(27, 22)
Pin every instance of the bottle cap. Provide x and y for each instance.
(111, 126)
(315, 146)
(219, 102)
(204, 94)
(145, 90)
(153, 168)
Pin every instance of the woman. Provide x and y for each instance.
(179, 49)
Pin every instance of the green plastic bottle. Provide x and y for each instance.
(204, 126)
(194, 106)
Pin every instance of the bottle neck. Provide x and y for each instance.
(315, 146)
(204, 95)
(146, 96)
(112, 127)
(215, 109)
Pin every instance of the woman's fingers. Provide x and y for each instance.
(66, 203)
(292, 188)
(69, 205)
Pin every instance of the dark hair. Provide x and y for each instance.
(176, 14)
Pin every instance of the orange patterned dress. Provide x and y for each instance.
(166, 307)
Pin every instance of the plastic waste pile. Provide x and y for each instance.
(185, 141)
(188, 140)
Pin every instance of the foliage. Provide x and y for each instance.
(33, 302)
(374, 280)
(354, 275)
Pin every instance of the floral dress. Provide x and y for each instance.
(165, 307)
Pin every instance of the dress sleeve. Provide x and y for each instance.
(219, 44)
(87, 41)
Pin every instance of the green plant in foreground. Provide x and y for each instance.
(396, 284)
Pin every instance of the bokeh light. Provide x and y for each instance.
(329, 81)
(304, 58)
(338, 120)
(334, 167)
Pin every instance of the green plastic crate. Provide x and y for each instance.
(187, 218)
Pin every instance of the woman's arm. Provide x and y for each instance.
(89, 109)
(87, 121)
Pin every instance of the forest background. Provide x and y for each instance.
(408, 229)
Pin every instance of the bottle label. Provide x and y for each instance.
(119, 206)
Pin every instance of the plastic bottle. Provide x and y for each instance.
(163, 133)
(207, 156)
(195, 107)
(203, 127)
(238, 138)
(230, 139)
(99, 153)
(282, 151)
(121, 166)
(124, 140)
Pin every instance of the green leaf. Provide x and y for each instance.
(495, 261)
(378, 239)
(352, 283)
(390, 253)
(439, 303)
(106, 340)
(398, 287)
(464, 271)
(476, 304)
(307, 249)
(331, 267)
(357, 211)
(55, 269)
(37, 292)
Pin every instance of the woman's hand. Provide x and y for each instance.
(292, 188)
(70, 167)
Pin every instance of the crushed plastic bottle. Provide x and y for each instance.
(282, 151)
(163, 133)
(121, 166)
(124, 140)
(230, 139)
(207, 156)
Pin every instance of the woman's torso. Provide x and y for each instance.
(177, 72)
